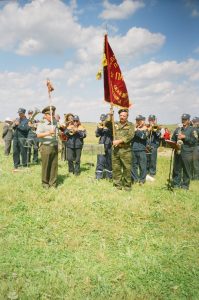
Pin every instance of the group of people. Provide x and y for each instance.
(130, 151)
(22, 133)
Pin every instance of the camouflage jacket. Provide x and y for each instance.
(124, 132)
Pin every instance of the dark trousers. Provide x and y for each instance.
(49, 160)
(104, 164)
(63, 150)
(182, 169)
(7, 147)
(73, 157)
(152, 161)
(195, 164)
(19, 150)
(33, 147)
(139, 164)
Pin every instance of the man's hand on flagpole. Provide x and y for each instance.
(117, 142)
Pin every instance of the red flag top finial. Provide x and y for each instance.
(50, 87)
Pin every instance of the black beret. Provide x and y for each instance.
(140, 117)
(195, 119)
(76, 118)
(185, 117)
(103, 117)
(152, 117)
(46, 110)
(21, 110)
(123, 110)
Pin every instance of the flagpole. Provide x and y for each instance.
(50, 89)
(109, 84)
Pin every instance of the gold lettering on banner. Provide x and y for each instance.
(115, 65)
(112, 59)
(118, 76)
(115, 96)
(124, 95)
(117, 90)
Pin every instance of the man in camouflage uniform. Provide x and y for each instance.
(186, 138)
(46, 132)
(195, 165)
(122, 154)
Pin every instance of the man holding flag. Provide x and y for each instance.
(115, 92)
(122, 155)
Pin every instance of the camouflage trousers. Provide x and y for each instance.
(121, 164)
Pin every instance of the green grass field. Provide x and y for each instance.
(87, 240)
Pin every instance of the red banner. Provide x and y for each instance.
(115, 90)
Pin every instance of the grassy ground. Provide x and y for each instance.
(87, 240)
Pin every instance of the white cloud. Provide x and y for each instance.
(121, 11)
(166, 89)
(167, 69)
(197, 50)
(42, 26)
(137, 41)
(193, 6)
(195, 13)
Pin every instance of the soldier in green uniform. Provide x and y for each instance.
(186, 138)
(121, 153)
(195, 165)
(46, 132)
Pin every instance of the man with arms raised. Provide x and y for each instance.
(186, 138)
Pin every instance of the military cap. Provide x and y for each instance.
(195, 119)
(30, 111)
(46, 110)
(103, 117)
(152, 117)
(75, 118)
(185, 117)
(122, 110)
(140, 117)
(21, 110)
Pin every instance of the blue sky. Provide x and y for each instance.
(156, 43)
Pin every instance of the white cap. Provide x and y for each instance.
(8, 119)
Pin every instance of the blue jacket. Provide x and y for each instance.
(139, 140)
(154, 138)
(75, 140)
(190, 140)
(21, 130)
(105, 136)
